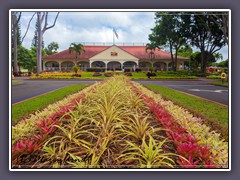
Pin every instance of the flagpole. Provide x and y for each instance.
(113, 37)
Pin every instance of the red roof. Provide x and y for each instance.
(90, 51)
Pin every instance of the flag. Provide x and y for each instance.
(115, 32)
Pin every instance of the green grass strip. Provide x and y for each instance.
(16, 82)
(29, 106)
(213, 114)
(219, 83)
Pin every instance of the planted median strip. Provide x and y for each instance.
(116, 124)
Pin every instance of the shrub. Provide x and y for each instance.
(127, 70)
(108, 74)
(97, 74)
(128, 74)
(213, 77)
(199, 74)
(151, 69)
(138, 70)
(76, 75)
(75, 69)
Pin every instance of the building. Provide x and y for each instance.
(112, 58)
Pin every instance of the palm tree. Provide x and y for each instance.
(150, 48)
(218, 56)
(77, 48)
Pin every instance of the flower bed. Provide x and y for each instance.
(194, 126)
(114, 124)
(29, 134)
(99, 132)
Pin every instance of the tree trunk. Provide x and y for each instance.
(173, 64)
(40, 32)
(202, 61)
(176, 60)
(39, 45)
(16, 68)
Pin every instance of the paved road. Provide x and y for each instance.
(32, 88)
(198, 88)
(203, 89)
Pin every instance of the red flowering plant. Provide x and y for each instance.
(44, 127)
(187, 145)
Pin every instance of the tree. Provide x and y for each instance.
(222, 20)
(28, 27)
(150, 48)
(14, 24)
(77, 49)
(218, 56)
(52, 48)
(42, 16)
(196, 59)
(16, 37)
(205, 35)
(25, 58)
(223, 63)
(170, 32)
(185, 51)
(33, 51)
(35, 37)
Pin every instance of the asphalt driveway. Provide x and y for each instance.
(32, 88)
(198, 88)
(203, 89)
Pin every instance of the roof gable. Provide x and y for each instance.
(114, 53)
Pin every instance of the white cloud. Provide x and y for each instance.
(94, 27)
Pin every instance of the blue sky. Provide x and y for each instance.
(132, 27)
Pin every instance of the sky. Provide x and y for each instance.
(79, 27)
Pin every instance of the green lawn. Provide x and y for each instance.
(24, 108)
(219, 83)
(16, 82)
(213, 114)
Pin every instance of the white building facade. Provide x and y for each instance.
(112, 58)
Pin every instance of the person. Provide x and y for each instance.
(137, 69)
(155, 68)
(148, 74)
